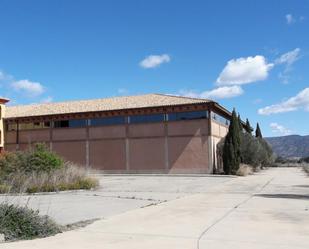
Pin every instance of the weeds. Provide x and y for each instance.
(24, 223)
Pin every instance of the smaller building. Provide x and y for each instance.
(152, 133)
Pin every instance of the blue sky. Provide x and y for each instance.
(252, 55)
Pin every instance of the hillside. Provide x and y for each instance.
(290, 146)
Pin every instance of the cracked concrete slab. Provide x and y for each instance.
(233, 214)
(117, 194)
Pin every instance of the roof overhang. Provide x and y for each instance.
(3, 100)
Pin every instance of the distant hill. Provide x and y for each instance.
(290, 146)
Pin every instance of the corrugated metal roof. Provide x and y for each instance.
(94, 105)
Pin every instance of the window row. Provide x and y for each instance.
(75, 123)
(219, 118)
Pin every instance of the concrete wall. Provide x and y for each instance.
(170, 147)
(218, 131)
(2, 114)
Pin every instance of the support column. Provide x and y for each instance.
(17, 135)
(210, 144)
(166, 152)
(51, 135)
(87, 145)
(127, 144)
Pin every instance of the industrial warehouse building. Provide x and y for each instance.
(152, 133)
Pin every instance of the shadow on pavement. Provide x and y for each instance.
(284, 196)
(301, 186)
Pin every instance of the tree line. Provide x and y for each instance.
(241, 147)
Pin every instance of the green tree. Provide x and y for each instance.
(240, 125)
(231, 148)
(248, 127)
(258, 132)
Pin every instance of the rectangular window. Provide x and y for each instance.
(30, 126)
(219, 118)
(108, 121)
(147, 118)
(72, 123)
(187, 115)
(11, 127)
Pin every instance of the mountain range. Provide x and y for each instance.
(290, 146)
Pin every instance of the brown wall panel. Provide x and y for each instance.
(144, 130)
(117, 131)
(10, 137)
(188, 154)
(10, 147)
(147, 154)
(69, 134)
(108, 154)
(188, 127)
(71, 151)
(34, 136)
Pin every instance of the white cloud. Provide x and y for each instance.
(153, 61)
(217, 93)
(122, 91)
(300, 101)
(30, 88)
(244, 70)
(290, 19)
(276, 128)
(48, 99)
(288, 58)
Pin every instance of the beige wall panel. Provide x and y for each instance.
(188, 154)
(147, 154)
(107, 154)
(215, 128)
(10, 137)
(223, 130)
(188, 127)
(116, 131)
(34, 136)
(69, 134)
(144, 130)
(71, 151)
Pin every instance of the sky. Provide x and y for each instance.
(251, 55)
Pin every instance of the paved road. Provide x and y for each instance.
(267, 210)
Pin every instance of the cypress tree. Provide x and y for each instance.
(248, 127)
(258, 132)
(240, 123)
(231, 148)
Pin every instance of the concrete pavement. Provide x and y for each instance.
(266, 210)
(117, 194)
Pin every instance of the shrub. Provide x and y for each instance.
(41, 159)
(40, 170)
(24, 223)
(244, 170)
(69, 177)
(37, 159)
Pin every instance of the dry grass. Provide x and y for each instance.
(70, 177)
(244, 170)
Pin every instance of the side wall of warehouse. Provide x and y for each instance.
(183, 146)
